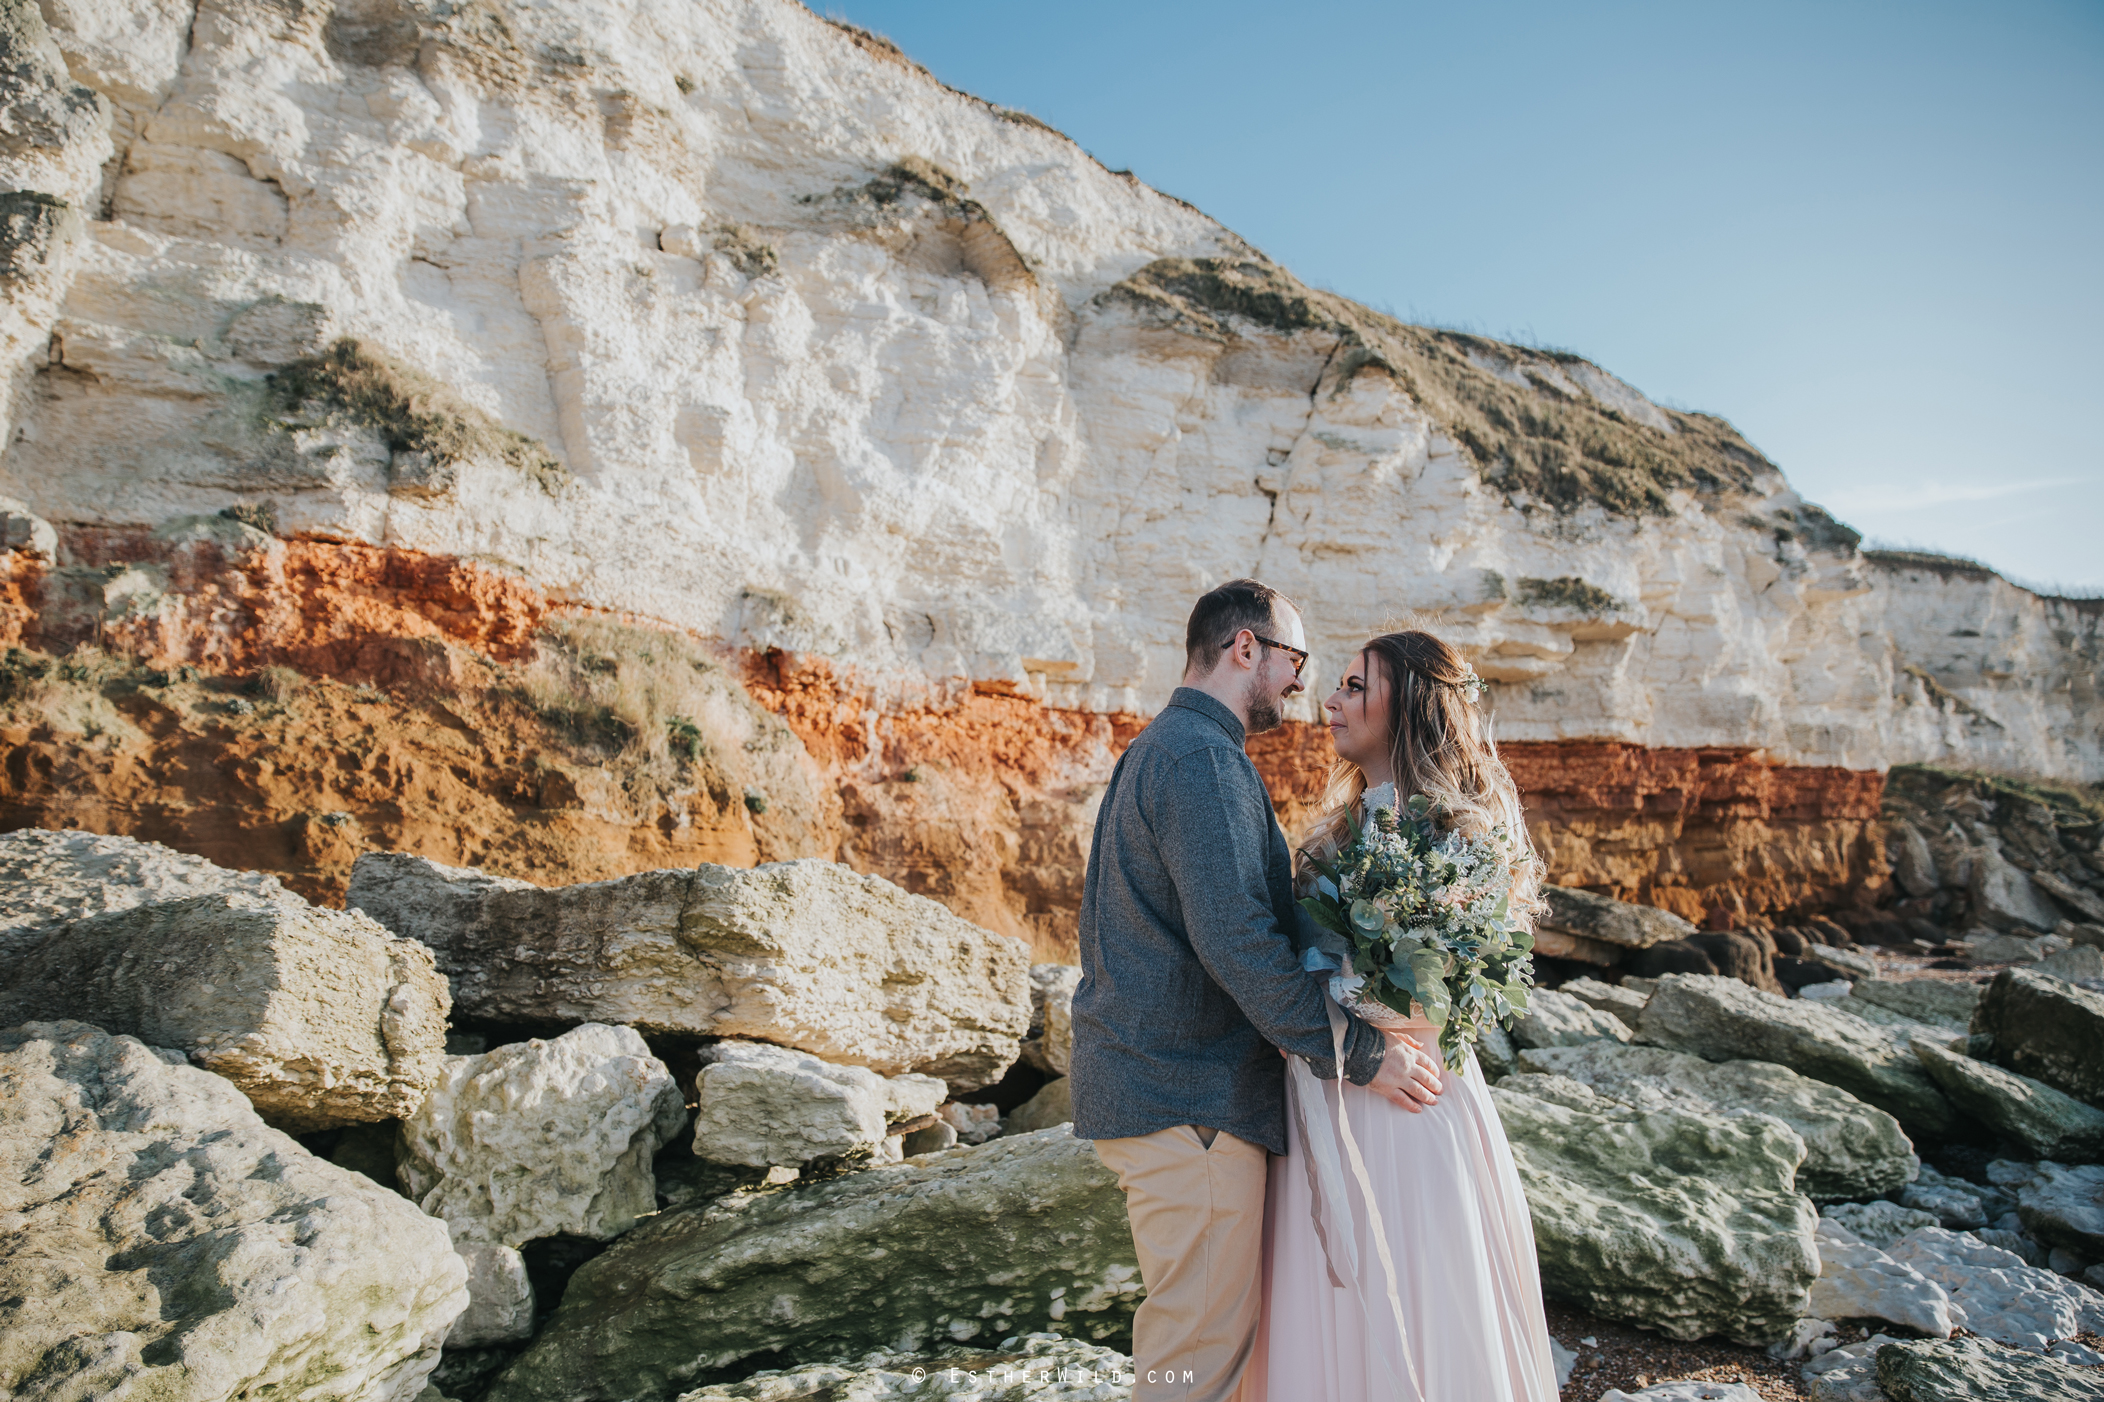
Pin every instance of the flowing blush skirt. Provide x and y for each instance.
(1462, 1249)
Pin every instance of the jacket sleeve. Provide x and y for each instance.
(1212, 820)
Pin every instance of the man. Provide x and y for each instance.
(1190, 979)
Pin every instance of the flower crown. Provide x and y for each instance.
(1470, 685)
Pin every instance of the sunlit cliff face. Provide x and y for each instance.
(722, 319)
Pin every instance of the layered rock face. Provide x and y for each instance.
(1702, 831)
(726, 318)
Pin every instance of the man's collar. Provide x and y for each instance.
(1190, 698)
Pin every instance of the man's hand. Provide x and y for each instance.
(1409, 1075)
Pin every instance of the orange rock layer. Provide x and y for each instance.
(1713, 834)
(325, 608)
(982, 801)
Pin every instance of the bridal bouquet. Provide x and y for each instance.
(1425, 918)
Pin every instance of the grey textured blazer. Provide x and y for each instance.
(1190, 970)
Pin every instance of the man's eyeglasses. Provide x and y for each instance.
(1300, 658)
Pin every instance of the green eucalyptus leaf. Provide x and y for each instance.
(1324, 912)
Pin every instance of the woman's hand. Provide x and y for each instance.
(1409, 1076)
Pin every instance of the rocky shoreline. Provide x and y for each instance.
(789, 1132)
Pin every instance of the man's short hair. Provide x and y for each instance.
(1225, 611)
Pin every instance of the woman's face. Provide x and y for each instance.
(1358, 712)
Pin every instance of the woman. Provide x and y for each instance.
(1411, 1274)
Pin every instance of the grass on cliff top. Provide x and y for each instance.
(411, 411)
(1964, 567)
(1567, 452)
(1949, 566)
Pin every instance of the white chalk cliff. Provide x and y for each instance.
(740, 321)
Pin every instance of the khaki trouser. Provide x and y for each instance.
(1196, 1201)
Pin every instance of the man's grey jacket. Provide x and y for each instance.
(1190, 970)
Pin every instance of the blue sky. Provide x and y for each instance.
(1870, 235)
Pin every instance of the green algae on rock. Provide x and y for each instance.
(1721, 1019)
(1966, 1370)
(1853, 1151)
(1018, 1234)
(1679, 1222)
(2048, 1124)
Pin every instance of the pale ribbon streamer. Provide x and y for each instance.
(1330, 1205)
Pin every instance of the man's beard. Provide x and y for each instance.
(1263, 711)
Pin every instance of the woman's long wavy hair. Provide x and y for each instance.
(1440, 746)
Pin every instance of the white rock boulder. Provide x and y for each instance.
(500, 1297)
(1994, 1294)
(1556, 1019)
(49, 879)
(2064, 1207)
(1858, 1281)
(807, 954)
(1721, 1019)
(1848, 1373)
(764, 1106)
(1684, 1223)
(159, 1240)
(1953, 1202)
(1051, 1045)
(1625, 1003)
(321, 1017)
(975, 1124)
(543, 1138)
(1880, 1223)
(1926, 1001)
(2048, 1124)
